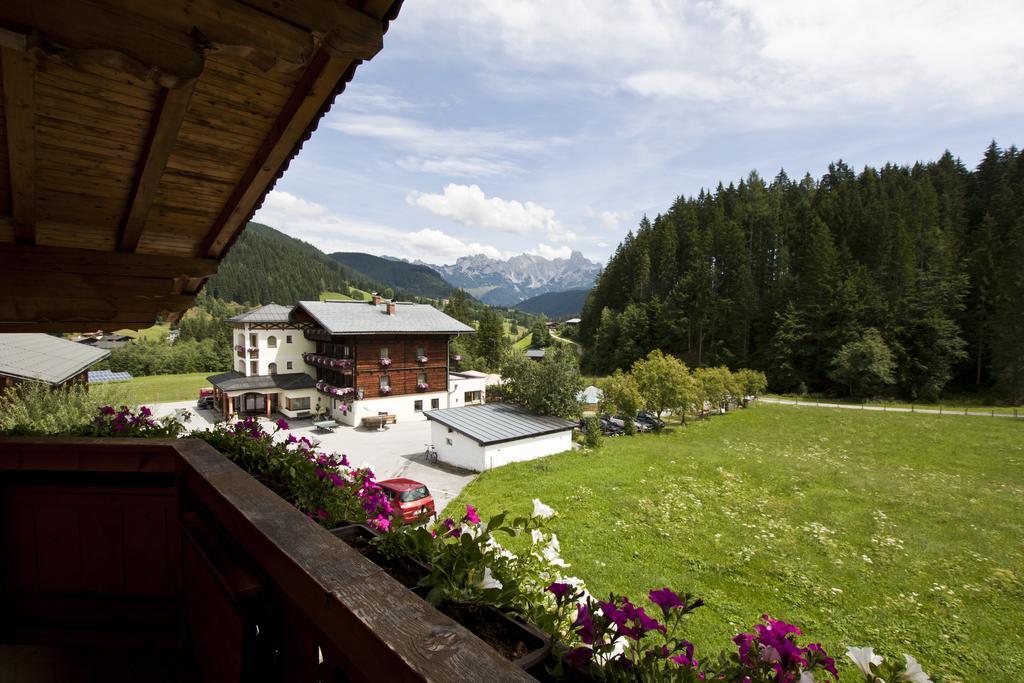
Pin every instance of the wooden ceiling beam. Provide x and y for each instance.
(89, 31)
(163, 134)
(311, 95)
(86, 326)
(347, 32)
(20, 115)
(70, 309)
(94, 262)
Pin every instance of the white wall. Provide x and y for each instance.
(282, 404)
(402, 407)
(462, 452)
(460, 385)
(466, 453)
(535, 447)
(283, 353)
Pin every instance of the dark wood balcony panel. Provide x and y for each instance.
(95, 527)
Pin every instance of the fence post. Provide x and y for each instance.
(911, 407)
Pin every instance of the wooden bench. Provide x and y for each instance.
(379, 421)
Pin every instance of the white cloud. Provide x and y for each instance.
(611, 221)
(468, 205)
(332, 232)
(549, 252)
(784, 56)
(459, 152)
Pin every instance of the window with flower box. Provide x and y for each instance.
(421, 378)
(385, 352)
(385, 382)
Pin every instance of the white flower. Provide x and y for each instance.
(537, 535)
(863, 657)
(913, 672)
(488, 581)
(552, 552)
(806, 677)
(498, 549)
(541, 510)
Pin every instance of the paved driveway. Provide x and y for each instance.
(398, 451)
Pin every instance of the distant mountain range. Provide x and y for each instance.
(506, 283)
(566, 304)
(398, 275)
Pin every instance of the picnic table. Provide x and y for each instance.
(325, 425)
(379, 421)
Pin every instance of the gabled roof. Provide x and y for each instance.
(236, 381)
(498, 422)
(360, 317)
(271, 313)
(590, 395)
(44, 358)
(535, 353)
(101, 376)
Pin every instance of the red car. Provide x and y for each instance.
(410, 500)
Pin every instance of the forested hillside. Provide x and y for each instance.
(398, 275)
(266, 265)
(783, 276)
(555, 304)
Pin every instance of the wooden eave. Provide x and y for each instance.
(138, 138)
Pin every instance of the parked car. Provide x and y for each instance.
(410, 500)
(640, 425)
(206, 399)
(650, 419)
(609, 428)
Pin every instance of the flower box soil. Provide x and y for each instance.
(524, 646)
(405, 570)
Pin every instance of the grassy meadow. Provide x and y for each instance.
(156, 388)
(899, 531)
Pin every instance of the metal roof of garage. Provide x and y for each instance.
(498, 422)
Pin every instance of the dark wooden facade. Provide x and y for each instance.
(79, 380)
(405, 370)
(133, 545)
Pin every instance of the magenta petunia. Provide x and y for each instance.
(281, 424)
(559, 590)
(665, 598)
(471, 515)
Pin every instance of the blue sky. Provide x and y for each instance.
(510, 126)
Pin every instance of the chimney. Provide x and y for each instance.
(391, 308)
(376, 299)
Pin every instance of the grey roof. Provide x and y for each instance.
(590, 395)
(534, 353)
(236, 381)
(360, 317)
(498, 422)
(100, 376)
(271, 313)
(45, 358)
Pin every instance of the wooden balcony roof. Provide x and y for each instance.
(138, 138)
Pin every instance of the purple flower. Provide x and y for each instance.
(559, 590)
(344, 461)
(145, 412)
(666, 599)
(471, 515)
(579, 657)
(281, 424)
(321, 513)
(744, 642)
(107, 410)
(584, 624)
(448, 523)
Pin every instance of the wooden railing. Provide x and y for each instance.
(139, 540)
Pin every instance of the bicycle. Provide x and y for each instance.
(431, 453)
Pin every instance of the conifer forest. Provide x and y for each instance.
(914, 273)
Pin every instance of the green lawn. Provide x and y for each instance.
(149, 334)
(523, 343)
(159, 388)
(894, 530)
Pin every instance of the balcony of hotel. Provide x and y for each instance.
(160, 559)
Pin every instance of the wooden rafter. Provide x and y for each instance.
(19, 111)
(15, 257)
(318, 84)
(348, 33)
(162, 135)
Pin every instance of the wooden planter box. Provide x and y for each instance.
(406, 570)
(521, 643)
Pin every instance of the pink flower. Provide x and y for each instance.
(281, 424)
(471, 515)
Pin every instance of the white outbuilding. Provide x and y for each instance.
(482, 437)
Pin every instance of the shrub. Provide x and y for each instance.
(38, 409)
(592, 435)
